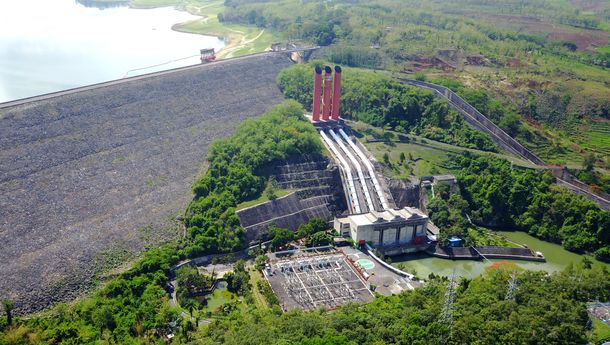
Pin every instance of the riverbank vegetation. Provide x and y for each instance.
(379, 100)
(496, 194)
(239, 39)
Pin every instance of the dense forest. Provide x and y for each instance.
(134, 307)
(495, 194)
(382, 101)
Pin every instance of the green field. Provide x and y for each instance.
(239, 39)
(600, 331)
(259, 299)
(428, 156)
(263, 198)
(597, 137)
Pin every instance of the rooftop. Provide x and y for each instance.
(383, 216)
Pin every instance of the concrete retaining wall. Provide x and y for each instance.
(479, 253)
(320, 195)
(369, 251)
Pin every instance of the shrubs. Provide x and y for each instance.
(191, 284)
(501, 196)
(265, 289)
(319, 239)
(603, 254)
(238, 281)
(280, 237)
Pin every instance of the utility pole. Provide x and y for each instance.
(512, 287)
(446, 317)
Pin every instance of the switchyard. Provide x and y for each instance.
(311, 282)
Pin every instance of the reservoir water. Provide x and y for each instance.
(556, 259)
(53, 45)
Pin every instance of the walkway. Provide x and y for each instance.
(501, 138)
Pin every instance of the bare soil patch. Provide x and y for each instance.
(583, 38)
(596, 6)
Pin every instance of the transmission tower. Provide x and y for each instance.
(512, 287)
(446, 317)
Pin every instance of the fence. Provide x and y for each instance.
(501, 138)
(479, 121)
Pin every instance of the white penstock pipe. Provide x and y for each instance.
(369, 167)
(350, 156)
(348, 172)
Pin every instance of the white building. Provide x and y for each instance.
(390, 228)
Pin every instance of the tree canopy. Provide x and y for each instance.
(379, 100)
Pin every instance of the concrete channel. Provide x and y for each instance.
(373, 178)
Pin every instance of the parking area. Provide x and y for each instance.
(309, 282)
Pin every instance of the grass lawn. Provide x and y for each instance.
(153, 3)
(261, 199)
(600, 331)
(239, 39)
(428, 157)
(259, 299)
(426, 161)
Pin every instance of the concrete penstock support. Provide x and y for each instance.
(317, 93)
(336, 94)
(328, 82)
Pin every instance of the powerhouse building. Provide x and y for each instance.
(404, 228)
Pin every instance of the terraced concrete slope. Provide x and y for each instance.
(91, 174)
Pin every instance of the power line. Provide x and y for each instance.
(446, 316)
(158, 65)
(512, 287)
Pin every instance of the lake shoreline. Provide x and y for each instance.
(237, 40)
(557, 259)
(113, 42)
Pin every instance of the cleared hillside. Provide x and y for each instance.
(86, 177)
